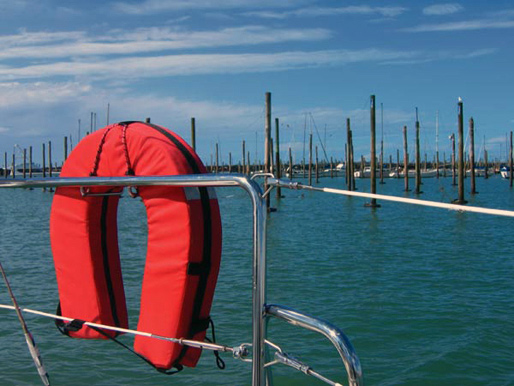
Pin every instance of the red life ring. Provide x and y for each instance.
(184, 241)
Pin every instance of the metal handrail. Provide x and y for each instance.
(260, 374)
(196, 180)
(338, 338)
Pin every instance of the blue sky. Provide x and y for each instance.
(214, 60)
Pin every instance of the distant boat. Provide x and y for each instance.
(480, 172)
(429, 173)
(366, 173)
(394, 173)
(505, 172)
(36, 168)
(296, 172)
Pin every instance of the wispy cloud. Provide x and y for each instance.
(17, 94)
(22, 104)
(267, 14)
(174, 65)
(203, 64)
(25, 38)
(157, 6)
(476, 53)
(496, 140)
(467, 25)
(225, 121)
(73, 44)
(336, 116)
(505, 13)
(40, 109)
(229, 115)
(440, 56)
(329, 11)
(442, 9)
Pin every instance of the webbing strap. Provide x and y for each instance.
(60, 324)
(178, 367)
(219, 362)
(77, 324)
(200, 325)
(197, 269)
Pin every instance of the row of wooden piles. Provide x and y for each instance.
(272, 163)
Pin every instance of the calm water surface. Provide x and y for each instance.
(425, 295)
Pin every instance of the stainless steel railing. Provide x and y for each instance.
(333, 333)
(260, 310)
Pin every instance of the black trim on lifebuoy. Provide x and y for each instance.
(105, 254)
(206, 257)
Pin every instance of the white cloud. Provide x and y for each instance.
(359, 117)
(27, 121)
(468, 25)
(506, 13)
(267, 14)
(352, 10)
(442, 55)
(157, 6)
(442, 9)
(229, 115)
(21, 107)
(477, 53)
(200, 64)
(327, 11)
(16, 94)
(228, 122)
(178, 20)
(245, 35)
(146, 40)
(496, 140)
(24, 38)
(175, 65)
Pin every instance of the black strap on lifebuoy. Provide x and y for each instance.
(104, 236)
(179, 368)
(77, 324)
(219, 362)
(204, 267)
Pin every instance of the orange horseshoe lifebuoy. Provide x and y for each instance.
(184, 241)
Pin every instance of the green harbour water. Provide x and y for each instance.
(425, 295)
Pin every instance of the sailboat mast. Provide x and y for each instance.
(382, 143)
(437, 132)
(304, 130)
(437, 143)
